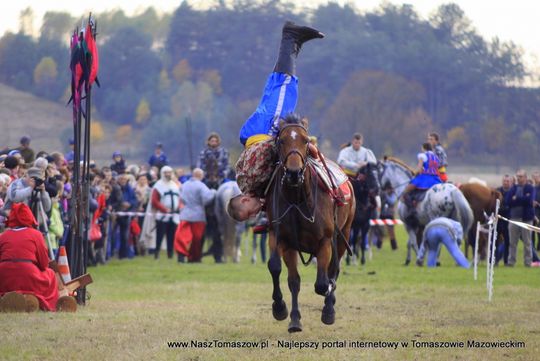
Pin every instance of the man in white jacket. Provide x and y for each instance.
(165, 199)
(355, 156)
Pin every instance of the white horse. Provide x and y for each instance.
(229, 229)
(441, 200)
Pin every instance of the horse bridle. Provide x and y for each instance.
(283, 161)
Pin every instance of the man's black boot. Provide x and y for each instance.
(292, 38)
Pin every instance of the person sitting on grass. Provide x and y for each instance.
(24, 265)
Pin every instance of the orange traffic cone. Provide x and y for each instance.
(63, 266)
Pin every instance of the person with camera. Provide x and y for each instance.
(30, 190)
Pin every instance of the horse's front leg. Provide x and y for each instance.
(290, 257)
(324, 255)
(328, 315)
(411, 243)
(279, 308)
(364, 236)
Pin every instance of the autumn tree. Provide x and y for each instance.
(45, 72)
(142, 114)
(386, 108)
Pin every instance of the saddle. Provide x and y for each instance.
(333, 181)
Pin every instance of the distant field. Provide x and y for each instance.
(140, 305)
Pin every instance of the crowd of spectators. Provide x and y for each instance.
(121, 196)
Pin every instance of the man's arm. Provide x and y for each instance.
(344, 160)
(207, 194)
(201, 161)
(224, 163)
(527, 198)
(370, 157)
(19, 192)
(45, 200)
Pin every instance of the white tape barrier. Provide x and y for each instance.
(475, 259)
(521, 224)
(141, 214)
(493, 247)
(382, 222)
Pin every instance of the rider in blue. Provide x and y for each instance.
(256, 163)
(427, 174)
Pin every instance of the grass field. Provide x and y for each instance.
(137, 306)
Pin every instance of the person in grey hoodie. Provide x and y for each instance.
(188, 238)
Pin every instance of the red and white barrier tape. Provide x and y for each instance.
(382, 222)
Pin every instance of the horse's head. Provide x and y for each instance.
(369, 175)
(395, 173)
(292, 148)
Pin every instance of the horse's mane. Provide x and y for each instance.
(400, 163)
(292, 118)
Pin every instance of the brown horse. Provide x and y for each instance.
(305, 219)
(482, 200)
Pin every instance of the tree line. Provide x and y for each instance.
(389, 74)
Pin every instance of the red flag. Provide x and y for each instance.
(93, 53)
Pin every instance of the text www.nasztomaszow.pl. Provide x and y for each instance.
(217, 344)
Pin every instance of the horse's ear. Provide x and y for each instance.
(304, 122)
(281, 123)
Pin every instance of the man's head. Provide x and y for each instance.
(37, 174)
(159, 148)
(521, 177)
(197, 173)
(25, 142)
(357, 141)
(243, 207)
(107, 190)
(536, 178)
(107, 173)
(166, 173)
(117, 156)
(11, 163)
(122, 180)
(433, 139)
(427, 147)
(213, 140)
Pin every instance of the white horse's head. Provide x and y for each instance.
(395, 174)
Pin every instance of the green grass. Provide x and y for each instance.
(138, 305)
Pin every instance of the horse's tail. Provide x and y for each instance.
(462, 210)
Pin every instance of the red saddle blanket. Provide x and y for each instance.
(342, 192)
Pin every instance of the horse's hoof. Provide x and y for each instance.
(279, 311)
(295, 326)
(328, 318)
(419, 263)
(407, 262)
(363, 261)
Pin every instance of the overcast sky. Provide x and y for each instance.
(515, 20)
